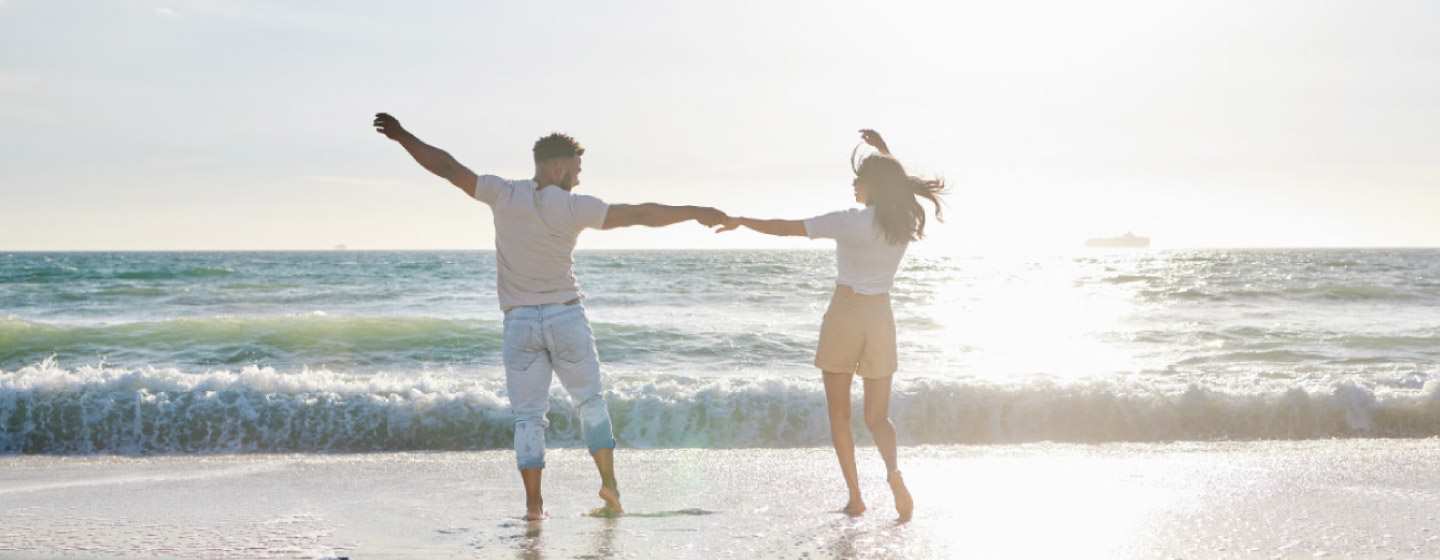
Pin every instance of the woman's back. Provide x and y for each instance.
(865, 259)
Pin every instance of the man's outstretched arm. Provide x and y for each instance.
(434, 160)
(659, 215)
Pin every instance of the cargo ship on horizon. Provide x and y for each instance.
(1127, 241)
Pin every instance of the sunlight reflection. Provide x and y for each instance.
(1096, 509)
(1034, 317)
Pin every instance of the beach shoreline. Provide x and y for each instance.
(1266, 499)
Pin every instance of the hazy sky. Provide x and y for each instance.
(246, 125)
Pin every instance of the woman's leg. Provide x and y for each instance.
(837, 399)
(877, 418)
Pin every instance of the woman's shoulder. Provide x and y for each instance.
(848, 213)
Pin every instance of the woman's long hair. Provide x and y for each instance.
(896, 197)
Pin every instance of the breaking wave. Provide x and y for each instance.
(46, 409)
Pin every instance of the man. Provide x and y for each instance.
(536, 224)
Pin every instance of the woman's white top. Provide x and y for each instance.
(867, 262)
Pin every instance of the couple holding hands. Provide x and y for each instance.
(546, 332)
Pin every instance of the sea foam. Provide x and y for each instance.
(45, 408)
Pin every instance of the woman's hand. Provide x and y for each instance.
(873, 138)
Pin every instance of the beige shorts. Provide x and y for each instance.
(858, 335)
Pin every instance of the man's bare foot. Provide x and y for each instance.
(535, 511)
(855, 508)
(612, 501)
(904, 504)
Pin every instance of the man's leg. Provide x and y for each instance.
(534, 502)
(527, 381)
(609, 488)
(578, 365)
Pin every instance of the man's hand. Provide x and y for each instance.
(873, 138)
(389, 126)
(710, 217)
(434, 160)
(728, 225)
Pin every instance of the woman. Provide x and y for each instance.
(858, 333)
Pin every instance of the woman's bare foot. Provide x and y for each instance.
(855, 508)
(612, 501)
(904, 504)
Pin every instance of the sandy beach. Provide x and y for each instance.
(1341, 498)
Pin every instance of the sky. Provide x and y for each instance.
(213, 124)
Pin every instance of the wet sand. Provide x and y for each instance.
(1337, 498)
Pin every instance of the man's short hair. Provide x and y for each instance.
(557, 145)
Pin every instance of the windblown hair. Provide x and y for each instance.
(896, 197)
(557, 145)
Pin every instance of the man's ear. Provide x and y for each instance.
(545, 168)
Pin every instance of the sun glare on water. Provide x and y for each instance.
(1009, 316)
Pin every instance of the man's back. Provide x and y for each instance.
(535, 234)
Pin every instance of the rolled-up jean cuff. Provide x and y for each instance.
(525, 466)
(599, 446)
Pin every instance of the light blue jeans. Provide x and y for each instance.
(541, 340)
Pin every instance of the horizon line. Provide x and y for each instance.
(1081, 249)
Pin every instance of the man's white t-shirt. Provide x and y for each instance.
(535, 233)
(867, 262)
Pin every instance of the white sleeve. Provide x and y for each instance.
(588, 211)
(489, 187)
(834, 225)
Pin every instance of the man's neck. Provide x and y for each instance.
(541, 183)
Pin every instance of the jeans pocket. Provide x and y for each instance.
(517, 348)
(574, 341)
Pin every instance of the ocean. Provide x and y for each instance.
(344, 351)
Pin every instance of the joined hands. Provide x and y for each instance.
(728, 224)
(710, 217)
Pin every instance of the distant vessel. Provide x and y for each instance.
(1127, 241)
(341, 247)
